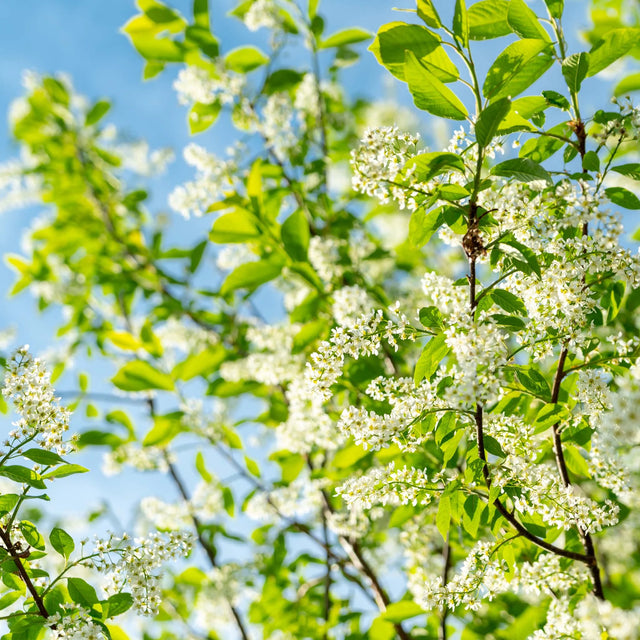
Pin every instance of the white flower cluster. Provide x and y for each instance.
(302, 497)
(263, 13)
(206, 503)
(324, 256)
(214, 178)
(197, 85)
(409, 404)
(274, 363)
(134, 564)
(382, 486)
(590, 619)
(307, 425)
(277, 124)
(349, 303)
(18, 188)
(378, 163)
(223, 588)
(140, 458)
(206, 423)
(27, 384)
(74, 624)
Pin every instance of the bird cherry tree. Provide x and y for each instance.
(381, 391)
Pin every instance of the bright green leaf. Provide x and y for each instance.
(141, 376)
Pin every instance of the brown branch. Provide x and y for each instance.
(15, 556)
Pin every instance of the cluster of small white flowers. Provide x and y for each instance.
(560, 624)
(74, 624)
(300, 498)
(307, 425)
(27, 384)
(388, 486)
(207, 423)
(352, 523)
(325, 365)
(442, 293)
(233, 255)
(378, 163)
(590, 619)
(214, 178)
(324, 256)
(274, 363)
(197, 85)
(138, 157)
(592, 391)
(263, 13)
(626, 126)
(409, 404)
(277, 124)
(480, 351)
(206, 503)
(223, 588)
(18, 188)
(134, 564)
(480, 577)
(349, 303)
(306, 100)
(184, 336)
(140, 458)
(542, 494)
(548, 575)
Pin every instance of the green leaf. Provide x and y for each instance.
(522, 169)
(117, 604)
(549, 415)
(623, 197)
(82, 592)
(202, 116)
(237, 226)
(576, 463)
(488, 19)
(31, 534)
(348, 456)
(627, 85)
(428, 14)
(245, 59)
(443, 517)
(432, 354)
(165, 428)
(615, 44)
(97, 112)
(251, 275)
(252, 467)
(201, 468)
(64, 471)
(23, 475)
(395, 38)
(535, 383)
(139, 375)
(396, 612)
(574, 70)
(157, 49)
(489, 120)
(201, 13)
(525, 22)
(43, 457)
(631, 170)
(423, 224)
(426, 166)
(508, 301)
(556, 7)
(345, 37)
(591, 161)
(200, 364)
(461, 22)
(8, 501)
(62, 542)
(517, 68)
(295, 235)
(381, 629)
(431, 318)
(429, 93)
(472, 515)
